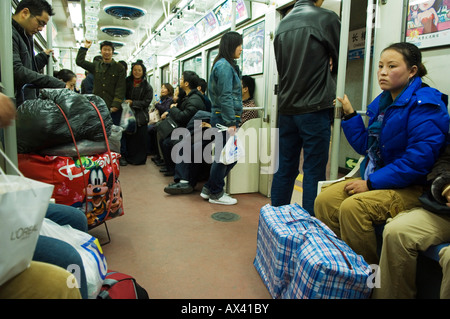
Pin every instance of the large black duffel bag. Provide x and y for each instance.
(41, 124)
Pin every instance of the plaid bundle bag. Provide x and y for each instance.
(299, 257)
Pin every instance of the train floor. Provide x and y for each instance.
(174, 248)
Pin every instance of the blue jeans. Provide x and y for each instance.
(310, 132)
(219, 171)
(60, 253)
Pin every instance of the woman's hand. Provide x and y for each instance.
(346, 105)
(355, 187)
(129, 102)
(164, 115)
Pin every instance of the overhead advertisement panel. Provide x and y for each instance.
(214, 22)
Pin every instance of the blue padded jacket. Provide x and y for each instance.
(413, 133)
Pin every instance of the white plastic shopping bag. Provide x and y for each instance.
(232, 151)
(88, 247)
(23, 205)
(128, 119)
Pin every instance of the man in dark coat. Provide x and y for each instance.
(182, 114)
(306, 49)
(30, 17)
(109, 77)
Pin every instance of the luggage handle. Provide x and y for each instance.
(340, 250)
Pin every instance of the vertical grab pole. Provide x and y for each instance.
(50, 45)
(367, 54)
(340, 88)
(7, 70)
(233, 15)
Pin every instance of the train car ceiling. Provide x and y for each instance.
(142, 28)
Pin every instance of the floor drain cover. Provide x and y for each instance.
(225, 216)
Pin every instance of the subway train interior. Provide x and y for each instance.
(183, 246)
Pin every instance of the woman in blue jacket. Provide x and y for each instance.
(407, 129)
(225, 92)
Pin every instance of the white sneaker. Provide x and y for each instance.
(205, 193)
(224, 200)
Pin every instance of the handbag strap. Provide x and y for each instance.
(76, 148)
(79, 156)
(10, 163)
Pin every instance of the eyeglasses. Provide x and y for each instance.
(41, 23)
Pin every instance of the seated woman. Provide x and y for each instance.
(161, 106)
(408, 125)
(68, 77)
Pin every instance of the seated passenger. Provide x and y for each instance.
(68, 77)
(51, 250)
(188, 173)
(169, 96)
(182, 114)
(248, 89)
(414, 231)
(408, 125)
(57, 252)
(202, 88)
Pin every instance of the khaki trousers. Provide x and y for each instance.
(352, 218)
(403, 238)
(40, 281)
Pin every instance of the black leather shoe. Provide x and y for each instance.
(178, 188)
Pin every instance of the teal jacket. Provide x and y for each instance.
(225, 93)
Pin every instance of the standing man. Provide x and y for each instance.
(109, 77)
(306, 50)
(30, 17)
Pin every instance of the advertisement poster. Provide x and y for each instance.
(428, 23)
(223, 12)
(253, 53)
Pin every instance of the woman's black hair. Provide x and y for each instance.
(249, 82)
(65, 75)
(227, 47)
(141, 63)
(181, 94)
(411, 55)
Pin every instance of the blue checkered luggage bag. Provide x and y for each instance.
(299, 257)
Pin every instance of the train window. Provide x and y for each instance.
(165, 73)
(150, 79)
(194, 64)
(211, 56)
